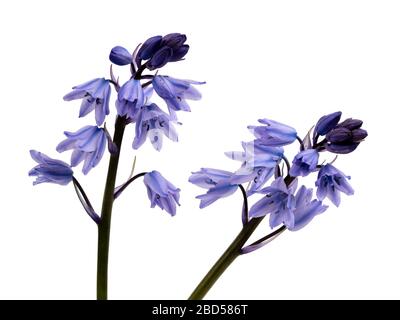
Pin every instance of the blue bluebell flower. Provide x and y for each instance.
(95, 95)
(284, 207)
(152, 122)
(120, 56)
(161, 192)
(175, 92)
(306, 209)
(279, 202)
(304, 163)
(208, 178)
(273, 133)
(258, 164)
(221, 190)
(345, 137)
(130, 98)
(88, 144)
(50, 170)
(331, 182)
(176, 41)
(326, 124)
(218, 183)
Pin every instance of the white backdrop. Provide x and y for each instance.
(291, 61)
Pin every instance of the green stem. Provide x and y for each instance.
(106, 211)
(226, 259)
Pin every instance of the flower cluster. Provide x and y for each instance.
(133, 105)
(263, 158)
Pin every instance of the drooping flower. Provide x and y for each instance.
(120, 56)
(130, 98)
(304, 163)
(331, 182)
(152, 122)
(161, 192)
(95, 95)
(326, 124)
(208, 178)
(273, 133)
(279, 202)
(221, 190)
(50, 170)
(306, 209)
(218, 183)
(88, 144)
(345, 137)
(258, 164)
(175, 92)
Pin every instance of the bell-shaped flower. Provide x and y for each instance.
(258, 164)
(50, 170)
(88, 144)
(130, 98)
(95, 95)
(175, 92)
(161, 192)
(331, 182)
(304, 163)
(273, 133)
(279, 202)
(306, 209)
(208, 178)
(154, 123)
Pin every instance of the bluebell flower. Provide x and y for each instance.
(176, 41)
(345, 137)
(152, 122)
(326, 124)
(221, 190)
(306, 209)
(258, 164)
(304, 163)
(161, 192)
(217, 181)
(175, 92)
(50, 170)
(284, 207)
(279, 202)
(331, 182)
(273, 133)
(88, 144)
(208, 178)
(120, 56)
(130, 98)
(95, 95)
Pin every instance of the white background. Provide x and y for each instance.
(291, 61)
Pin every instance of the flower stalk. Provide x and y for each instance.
(106, 212)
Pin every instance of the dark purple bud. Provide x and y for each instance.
(174, 40)
(149, 48)
(351, 124)
(342, 148)
(179, 53)
(339, 135)
(327, 123)
(120, 56)
(359, 135)
(160, 58)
